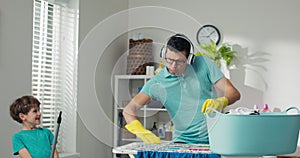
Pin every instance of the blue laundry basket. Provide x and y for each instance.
(267, 134)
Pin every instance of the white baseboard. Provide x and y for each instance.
(69, 155)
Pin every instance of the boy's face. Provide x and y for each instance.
(32, 118)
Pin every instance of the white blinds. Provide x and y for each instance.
(54, 68)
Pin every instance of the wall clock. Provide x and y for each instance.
(208, 32)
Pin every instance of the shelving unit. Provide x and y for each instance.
(125, 87)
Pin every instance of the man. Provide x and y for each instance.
(187, 86)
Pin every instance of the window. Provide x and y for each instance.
(54, 67)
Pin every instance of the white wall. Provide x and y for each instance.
(102, 40)
(15, 63)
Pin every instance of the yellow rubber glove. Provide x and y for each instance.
(147, 136)
(218, 104)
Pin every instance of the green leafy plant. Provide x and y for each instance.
(224, 52)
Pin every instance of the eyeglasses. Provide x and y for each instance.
(177, 62)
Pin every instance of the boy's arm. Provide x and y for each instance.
(24, 153)
(56, 154)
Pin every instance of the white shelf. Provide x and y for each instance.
(154, 109)
(131, 140)
(133, 76)
(147, 109)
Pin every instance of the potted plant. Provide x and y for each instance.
(217, 54)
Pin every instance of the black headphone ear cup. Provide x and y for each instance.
(190, 58)
(163, 52)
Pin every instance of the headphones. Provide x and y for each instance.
(190, 58)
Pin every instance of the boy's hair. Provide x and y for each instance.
(23, 105)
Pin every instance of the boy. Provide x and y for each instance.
(31, 141)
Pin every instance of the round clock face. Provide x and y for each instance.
(207, 33)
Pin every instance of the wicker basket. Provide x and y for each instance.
(140, 55)
(143, 46)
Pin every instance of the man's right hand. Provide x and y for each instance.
(147, 136)
(218, 104)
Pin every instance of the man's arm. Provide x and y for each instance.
(135, 104)
(133, 124)
(228, 90)
(229, 95)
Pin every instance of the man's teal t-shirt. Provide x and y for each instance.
(37, 142)
(183, 97)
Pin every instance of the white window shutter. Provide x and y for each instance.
(54, 68)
